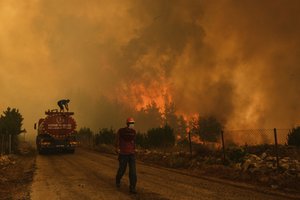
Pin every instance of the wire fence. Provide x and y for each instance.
(270, 139)
(255, 136)
(248, 137)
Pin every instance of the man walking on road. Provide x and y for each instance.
(125, 147)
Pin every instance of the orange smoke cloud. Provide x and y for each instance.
(236, 60)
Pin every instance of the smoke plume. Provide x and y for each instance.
(237, 60)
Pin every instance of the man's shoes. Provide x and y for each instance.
(132, 191)
(118, 184)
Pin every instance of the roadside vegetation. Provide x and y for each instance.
(11, 122)
(293, 137)
(17, 159)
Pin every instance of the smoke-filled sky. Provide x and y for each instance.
(236, 59)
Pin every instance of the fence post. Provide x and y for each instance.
(2, 144)
(9, 144)
(223, 146)
(191, 152)
(276, 148)
(91, 141)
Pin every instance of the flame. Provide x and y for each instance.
(140, 96)
(150, 95)
(196, 139)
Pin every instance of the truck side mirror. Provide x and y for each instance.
(34, 126)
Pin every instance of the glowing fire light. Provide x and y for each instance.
(141, 96)
(196, 139)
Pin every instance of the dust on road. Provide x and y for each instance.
(91, 175)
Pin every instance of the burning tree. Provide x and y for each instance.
(175, 121)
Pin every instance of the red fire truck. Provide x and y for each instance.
(56, 131)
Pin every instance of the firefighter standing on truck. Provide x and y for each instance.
(125, 147)
(63, 104)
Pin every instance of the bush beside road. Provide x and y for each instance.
(16, 173)
(249, 168)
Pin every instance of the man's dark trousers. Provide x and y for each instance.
(123, 160)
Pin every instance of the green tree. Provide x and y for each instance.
(11, 122)
(142, 140)
(148, 117)
(209, 128)
(85, 132)
(105, 136)
(293, 138)
(85, 136)
(161, 137)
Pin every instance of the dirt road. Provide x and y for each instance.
(90, 175)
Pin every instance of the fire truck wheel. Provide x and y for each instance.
(71, 151)
(41, 152)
